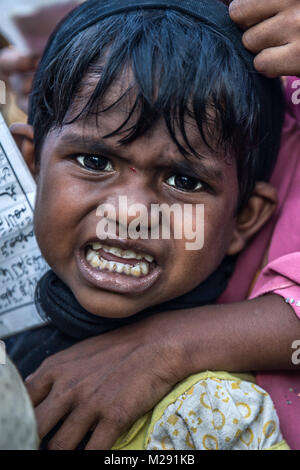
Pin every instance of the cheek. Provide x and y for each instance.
(219, 228)
(189, 267)
(59, 209)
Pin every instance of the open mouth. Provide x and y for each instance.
(118, 266)
(116, 260)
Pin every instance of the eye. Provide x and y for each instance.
(185, 183)
(95, 163)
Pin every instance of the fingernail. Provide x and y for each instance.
(232, 6)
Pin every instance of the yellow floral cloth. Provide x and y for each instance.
(209, 411)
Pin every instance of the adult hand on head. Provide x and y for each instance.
(104, 384)
(17, 70)
(272, 33)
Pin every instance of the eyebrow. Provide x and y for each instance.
(93, 145)
(197, 168)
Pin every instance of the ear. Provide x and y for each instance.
(24, 138)
(256, 214)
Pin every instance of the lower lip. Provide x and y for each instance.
(115, 282)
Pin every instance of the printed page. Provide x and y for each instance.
(21, 263)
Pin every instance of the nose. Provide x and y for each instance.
(132, 210)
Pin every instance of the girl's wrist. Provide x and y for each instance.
(177, 343)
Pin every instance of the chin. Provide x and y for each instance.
(108, 305)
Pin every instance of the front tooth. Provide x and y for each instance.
(111, 266)
(103, 263)
(96, 246)
(120, 268)
(136, 271)
(127, 269)
(90, 255)
(129, 254)
(117, 252)
(144, 268)
(95, 262)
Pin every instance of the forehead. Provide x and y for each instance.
(89, 131)
(120, 107)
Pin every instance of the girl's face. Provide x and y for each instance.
(80, 170)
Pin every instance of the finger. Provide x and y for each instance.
(104, 436)
(278, 61)
(73, 431)
(13, 61)
(265, 35)
(50, 412)
(22, 83)
(247, 13)
(38, 386)
(23, 103)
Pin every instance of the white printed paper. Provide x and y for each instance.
(21, 262)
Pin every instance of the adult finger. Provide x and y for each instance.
(50, 412)
(247, 13)
(38, 386)
(12, 61)
(265, 35)
(277, 61)
(104, 436)
(74, 429)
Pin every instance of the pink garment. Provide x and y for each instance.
(281, 238)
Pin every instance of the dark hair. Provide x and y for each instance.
(181, 66)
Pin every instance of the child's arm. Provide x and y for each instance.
(114, 379)
(272, 33)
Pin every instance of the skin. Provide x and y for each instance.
(69, 194)
(272, 33)
(253, 335)
(17, 70)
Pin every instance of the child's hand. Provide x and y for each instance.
(272, 33)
